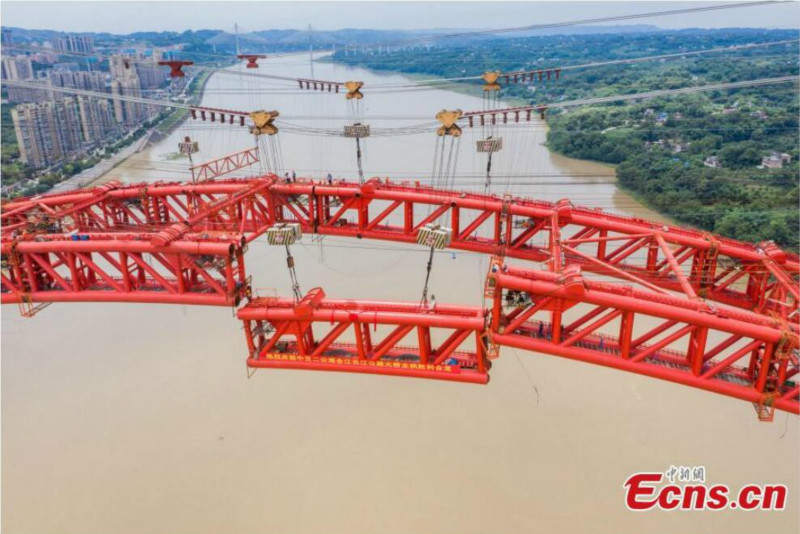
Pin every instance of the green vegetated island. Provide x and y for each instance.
(723, 161)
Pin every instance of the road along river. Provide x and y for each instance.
(121, 418)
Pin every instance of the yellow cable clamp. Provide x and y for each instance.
(262, 122)
(448, 119)
(353, 90)
(490, 77)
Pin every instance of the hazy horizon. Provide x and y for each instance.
(129, 17)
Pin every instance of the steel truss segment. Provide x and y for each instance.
(102, 270)
(367, 337)
(652, 255)
(322, 85)
(230, 207)
(733, 352)
(224, 165)
(722, 315)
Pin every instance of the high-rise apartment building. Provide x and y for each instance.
(47, 132)
(128, 112)
(90, 81)
(17, 68)
(67, 66)
(18, 95)
(83, 44)
(21, 68)
(97, 119)
(126, 81)
(122, 67)
(151, 74)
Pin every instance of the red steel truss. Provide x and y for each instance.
(224, 165)
(227, 209)
(757, 277)
(492, 116)
(101, 267)
(670, 258)
(531, 75)
(282, 333)
(726, 311)
(320, 85)
(733, 352)
(219, 115)
(173, 243)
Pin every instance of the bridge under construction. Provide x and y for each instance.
(659, 300)
(564, 280)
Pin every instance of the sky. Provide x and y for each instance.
(125, 17)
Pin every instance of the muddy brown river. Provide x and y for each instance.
(141, 418)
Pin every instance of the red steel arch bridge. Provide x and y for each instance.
(658, 300)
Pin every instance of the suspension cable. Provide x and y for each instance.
(293, 275)
(424, 301)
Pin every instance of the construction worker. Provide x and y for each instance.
(330, 179)
(432, 303)
(294, 176)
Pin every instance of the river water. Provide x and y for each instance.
(121, 418)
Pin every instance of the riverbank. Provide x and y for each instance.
(178, 116)
(159, 130)
(92, 174)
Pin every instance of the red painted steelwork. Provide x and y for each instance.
(726, 311)
(733, 352)
(718, 269)
(320, 85)
(224, 165)
(222, 209)
(759, 277)
(86, 267)
(176, 67)
(282, 333)
(232, 116)
(530, 76)
(252, 59)
(491, 115)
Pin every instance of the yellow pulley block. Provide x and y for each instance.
(490, 78)
(448, 119)
(353, 90)
(262, 122)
